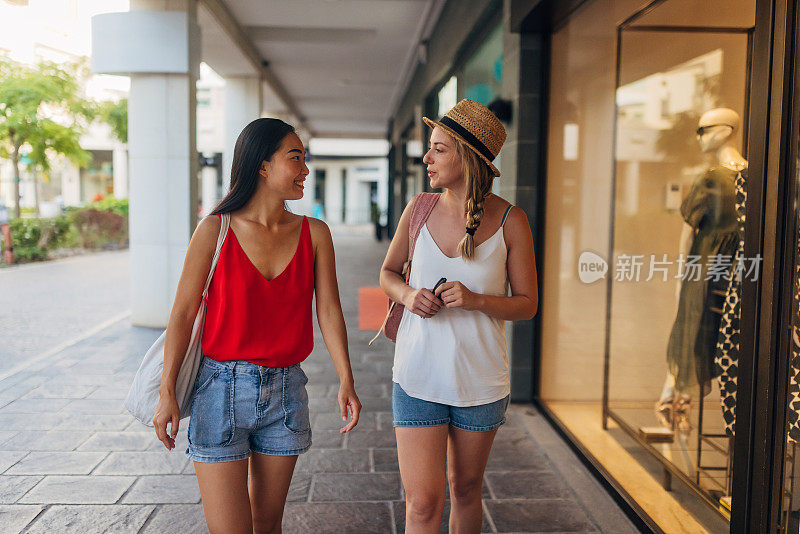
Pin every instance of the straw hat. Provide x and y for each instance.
(476, 126)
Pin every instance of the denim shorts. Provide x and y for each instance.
(410, 411)
(239, 406)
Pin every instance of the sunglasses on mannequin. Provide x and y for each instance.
(702, 130)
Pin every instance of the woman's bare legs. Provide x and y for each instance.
(422, 455)
(467, 454)
(270, 477)
(226, 503)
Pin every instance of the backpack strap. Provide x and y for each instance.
(420, 211)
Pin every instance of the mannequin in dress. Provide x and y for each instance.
(716, 134)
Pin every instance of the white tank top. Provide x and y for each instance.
(456, 357)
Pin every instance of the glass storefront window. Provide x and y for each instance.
(448, 96)
(645, 196)
(481, 79)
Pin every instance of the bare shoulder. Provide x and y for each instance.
(517, 228)
(207, 229)
(320, 232)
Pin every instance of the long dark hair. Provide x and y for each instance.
(258, 142)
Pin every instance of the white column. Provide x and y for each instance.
(120, 162)
(208, 177)
(242, 106)
(163, 168)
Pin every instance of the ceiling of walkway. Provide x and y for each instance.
(341, 65)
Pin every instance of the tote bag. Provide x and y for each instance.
(143, 396)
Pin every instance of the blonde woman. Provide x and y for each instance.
(451, 375)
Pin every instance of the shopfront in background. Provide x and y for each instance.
(669, 346)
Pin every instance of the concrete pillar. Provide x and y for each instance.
(158, 44)
(119, 160)
(208, 177)
(522, 181)
(242, 106)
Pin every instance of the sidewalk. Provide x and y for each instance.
(72, 460)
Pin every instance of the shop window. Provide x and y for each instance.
(646, 175)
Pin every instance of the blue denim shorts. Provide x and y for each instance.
(240, 407)
(410, 411)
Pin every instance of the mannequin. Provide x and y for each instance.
(709, 229)
(726, 356)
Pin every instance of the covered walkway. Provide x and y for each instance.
(72, 460)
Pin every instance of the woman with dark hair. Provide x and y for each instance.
(250, 394)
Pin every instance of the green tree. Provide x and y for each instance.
(115, 114)
(42, 114)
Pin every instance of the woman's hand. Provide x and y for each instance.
(349, 403)
(422, 302)
(456, 295)
(167, 411)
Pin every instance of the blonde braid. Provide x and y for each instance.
(479, 182)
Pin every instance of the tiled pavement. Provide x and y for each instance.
(72, 460)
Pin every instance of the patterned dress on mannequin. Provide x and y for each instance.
(710, 208)
(726, 356)
(793, 414)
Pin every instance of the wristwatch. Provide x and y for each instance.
(10, 249)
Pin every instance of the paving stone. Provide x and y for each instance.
(298, 489)
(9, 458)
(37, 406)
(527, 485)
(65, 391)
(172, 489)
(385, 460)
(516, 454)
(119, 441)
(78, 490)
(108, 392)
(6, 435)
(329, 439)
(400, 518)
(98, 422)
(333, 461)
(337, 518)
(333, 421)
(49, 440)
(525, 515)
(363, 439)
(319, 391)
(384, 420)
(356, 487)
(85, 379)
(15, 518)
(119, 519)
(143, 463)
(183, 518)
(189, 469)
(14, 487)
(57, 463)
(94, 406)
(42, 421)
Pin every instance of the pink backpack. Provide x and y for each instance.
(420, 211)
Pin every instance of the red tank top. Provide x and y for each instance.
(266, 322)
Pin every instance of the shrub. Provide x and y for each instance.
(97, 229)
(79, 228)
(34, 237)
(112, 203)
